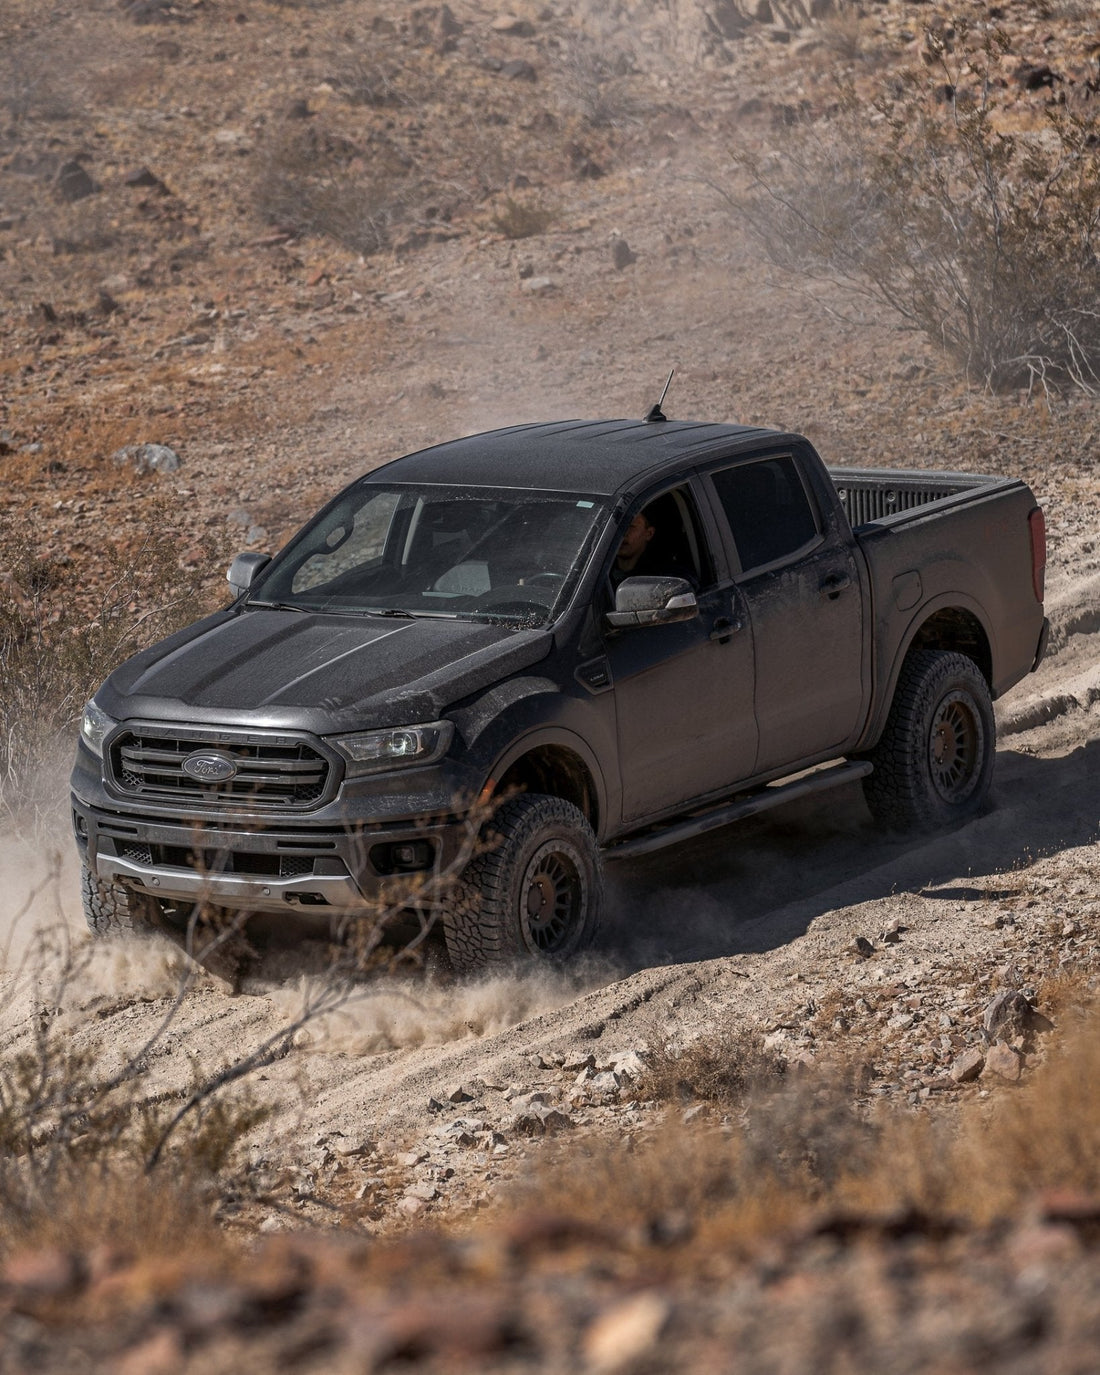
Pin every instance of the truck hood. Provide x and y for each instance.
(289, 670)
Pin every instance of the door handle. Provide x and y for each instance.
(834, 585)
(724, 629)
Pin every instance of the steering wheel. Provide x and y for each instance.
(551, 580)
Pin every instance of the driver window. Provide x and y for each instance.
(665, 539)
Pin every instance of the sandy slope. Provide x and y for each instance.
(743, 928)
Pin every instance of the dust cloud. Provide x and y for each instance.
(399, 1013)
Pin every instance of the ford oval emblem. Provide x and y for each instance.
(210, 766)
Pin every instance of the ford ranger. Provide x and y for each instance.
(609, 636)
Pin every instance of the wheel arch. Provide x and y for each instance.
(953, 622)
(554, 762)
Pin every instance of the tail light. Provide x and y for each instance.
(1037, 525)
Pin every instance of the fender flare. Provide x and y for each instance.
(562, 738)
(946, 601)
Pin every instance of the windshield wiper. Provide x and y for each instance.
(279, 606)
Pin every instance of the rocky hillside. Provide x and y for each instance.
(816, 1098)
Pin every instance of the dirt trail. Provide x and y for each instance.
(735, 929)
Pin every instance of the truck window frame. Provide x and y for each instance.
(733, 552)
(709, 537)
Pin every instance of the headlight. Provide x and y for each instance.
(376, 751)
(95, 725)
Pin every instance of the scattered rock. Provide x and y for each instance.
(461, 1093)
(968, 1066)
(1035, 78)
(74, 183)
(540, 1120)
(518, 70)
(47, 1273)
(621, 254)
(141, 176)
(1007, 1016)
(891, 932)
(536, 285)
(147, 458)
(630, 1063)
(508, 23)
(624, 1333)
(1004, 1062)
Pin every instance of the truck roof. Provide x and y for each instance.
(597, 456)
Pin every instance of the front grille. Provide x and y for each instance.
(254, 863)
(274, 771)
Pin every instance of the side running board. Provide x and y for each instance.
(774, 795)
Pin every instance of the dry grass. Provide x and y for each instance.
(721, 1070)
(522, 219)
(63, 630)
(804, 1148)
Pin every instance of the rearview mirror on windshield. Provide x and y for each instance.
(652, 601)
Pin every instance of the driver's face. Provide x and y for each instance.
(638, 534)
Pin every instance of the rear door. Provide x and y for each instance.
(797, 572)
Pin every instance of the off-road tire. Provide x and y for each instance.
(112, 910)
(934, 763)
(534, 893)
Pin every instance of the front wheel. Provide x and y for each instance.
(934, 763)
(112, 910)
(534, 893)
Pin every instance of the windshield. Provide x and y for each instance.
(472, 553)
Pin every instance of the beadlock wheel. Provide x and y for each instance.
(535, 892)
(933, 765)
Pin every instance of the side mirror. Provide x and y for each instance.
(243, 570)
(652, 601)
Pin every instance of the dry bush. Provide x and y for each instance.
(314, 181)
(62, 630)
(809, 1146)
(984, 240)
(522, 219)
(76, 1139)
(593, 79)
(720, 1070)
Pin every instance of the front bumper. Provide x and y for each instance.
(273, 868)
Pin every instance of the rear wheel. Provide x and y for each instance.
(934, 763)
(535, 893)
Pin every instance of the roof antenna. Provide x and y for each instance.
(655, 412)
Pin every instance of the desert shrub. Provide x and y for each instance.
(983, 239)
(314, 181)
(63, 628)
(721, 1069)
(592, 76)
(522, 219)
(77, 1137)
(811, 1147)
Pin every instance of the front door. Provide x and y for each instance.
(683, 692)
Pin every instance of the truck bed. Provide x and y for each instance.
(875, 495)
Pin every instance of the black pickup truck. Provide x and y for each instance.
(608, 636)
